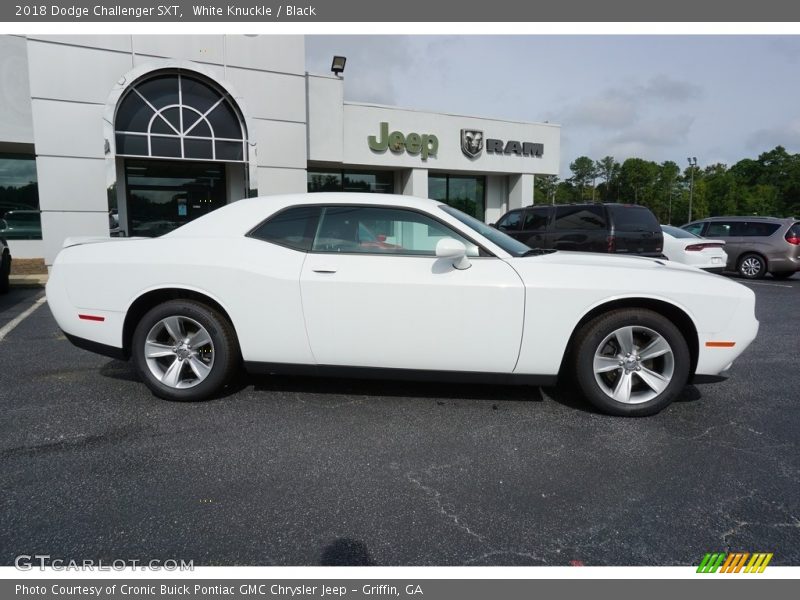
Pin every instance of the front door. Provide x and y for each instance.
(374, 294)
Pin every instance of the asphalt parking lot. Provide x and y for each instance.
(300, 471)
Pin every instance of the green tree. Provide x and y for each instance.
(608, 170)
(583, 172)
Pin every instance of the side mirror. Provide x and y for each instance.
(454, 250)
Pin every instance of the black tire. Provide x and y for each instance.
(752, 266)
(226, 356)
(588, 341)
(5, 272)
(783, 274)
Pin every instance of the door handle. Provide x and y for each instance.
(324, 270)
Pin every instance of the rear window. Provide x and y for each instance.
(580, 217)
(293, 228)
(677, 232)
(633, 218)
(759, 229)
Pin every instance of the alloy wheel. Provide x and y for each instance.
(750, 267)
(179, 352)
(633, 364)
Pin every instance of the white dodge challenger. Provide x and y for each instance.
(368, 285)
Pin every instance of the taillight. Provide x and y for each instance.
(793, 239)
(699, 247)
(611, 244)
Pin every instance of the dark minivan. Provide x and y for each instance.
(609, 228)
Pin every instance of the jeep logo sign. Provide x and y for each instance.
(424, 144)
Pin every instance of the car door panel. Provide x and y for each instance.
(412, 312)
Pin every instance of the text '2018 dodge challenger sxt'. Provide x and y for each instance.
(396, 287)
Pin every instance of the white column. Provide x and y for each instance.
(414, 182)
(520, 190)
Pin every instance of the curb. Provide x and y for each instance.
(27, 281)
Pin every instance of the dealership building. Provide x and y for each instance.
(135, 135)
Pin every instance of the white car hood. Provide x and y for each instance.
(598, 260)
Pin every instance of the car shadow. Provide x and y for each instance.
(395, 388)
(564, 393)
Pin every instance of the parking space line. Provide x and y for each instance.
(769, 284)
(9, 327)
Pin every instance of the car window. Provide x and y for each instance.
(501, 239)
(580, 217)
(694, 228)
(511, 221)
(719, 229)
(678, 233)
(759, 229)
(536, 219)
(378, 230)
(293, 228)
(633, 218)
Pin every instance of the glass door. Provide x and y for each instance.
(163, 195)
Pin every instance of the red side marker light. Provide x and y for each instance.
(720, 344)
(91, 318)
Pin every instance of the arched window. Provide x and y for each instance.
(175, 115)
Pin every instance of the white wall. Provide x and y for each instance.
(325, 118)
(71, 78)
(16, 123)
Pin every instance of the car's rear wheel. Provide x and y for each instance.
(631, 362)
(5, 272)
(752, 266)
(184, 350)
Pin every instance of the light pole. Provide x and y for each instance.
(693, 165)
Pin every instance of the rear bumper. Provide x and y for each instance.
(715, 270)
(96, 347)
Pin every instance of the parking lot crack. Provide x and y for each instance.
(443, 508)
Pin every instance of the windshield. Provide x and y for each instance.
(507, 243)
(677, 233)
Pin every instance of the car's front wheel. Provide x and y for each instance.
(184, 350)
(631, 362)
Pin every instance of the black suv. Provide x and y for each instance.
(610, 228)
(5, 265)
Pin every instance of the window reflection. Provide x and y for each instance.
(376, 182)
(464, 192)
(20, 218)
(163, 195)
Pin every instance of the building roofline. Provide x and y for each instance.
(448, 114)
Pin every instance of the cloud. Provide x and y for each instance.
(667, 89)
(376, 65)
(767, 138)
(620, 106)
(611, 110)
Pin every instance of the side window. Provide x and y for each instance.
(510, 222)
(293, 228)
(719, 229)
(371, 230)
(536, 219)
(580, 217)
(759, 229)
(695, 228)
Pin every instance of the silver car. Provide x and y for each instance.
(755, 245)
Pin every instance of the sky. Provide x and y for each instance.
(719, 98)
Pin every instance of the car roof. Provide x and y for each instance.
(746, 218)
(241, 216)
